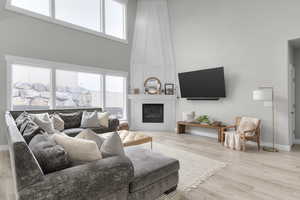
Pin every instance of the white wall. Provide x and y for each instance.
(21, 35)
(248, 38)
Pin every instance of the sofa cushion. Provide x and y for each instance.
(50, 156)
(71, 120)
(73, 131)
(149, 167)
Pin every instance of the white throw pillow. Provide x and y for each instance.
(113, 145)
(45, 123)
(89, 119)
(58, 122)
(88, 134)
(103, 118)
(79, 149)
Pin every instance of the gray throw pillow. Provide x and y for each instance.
(88, 134)
(50, 156)
(71, 120)
(113, 145)
(90, 119)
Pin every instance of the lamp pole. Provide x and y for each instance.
(271, 149)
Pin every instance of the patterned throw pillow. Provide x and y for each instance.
(90, 119)
(50, 156)
(103, 118)
(29, 129)
(57, 121)
(45, 123)
(71, 120)
(23, 117)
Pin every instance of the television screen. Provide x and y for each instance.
(208, 83)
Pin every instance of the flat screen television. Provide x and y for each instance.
(208, 84)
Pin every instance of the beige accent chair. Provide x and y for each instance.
(245, 129)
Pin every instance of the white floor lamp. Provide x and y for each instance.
(266, 94)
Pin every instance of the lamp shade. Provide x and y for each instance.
(263, 95)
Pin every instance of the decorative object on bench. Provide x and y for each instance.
(152, 85)
(266, 94)
(188, 116)
(245, 129)
(203, 119)
(181, 127)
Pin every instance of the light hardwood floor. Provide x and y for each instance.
(250, 175)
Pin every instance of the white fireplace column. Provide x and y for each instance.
(152, 56)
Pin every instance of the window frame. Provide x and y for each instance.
(53, 66)
(52, 19)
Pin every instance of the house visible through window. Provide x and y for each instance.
(100, 17)
(31, 88)
(77, 89)
(46, 86)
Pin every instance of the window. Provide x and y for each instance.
(115, 96)
(115, 18)
(31, 88)
(37, 85)
(38, 6)
(105, 18)
(79, 12)
(77, 89)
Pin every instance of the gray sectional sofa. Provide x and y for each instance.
(141, 175)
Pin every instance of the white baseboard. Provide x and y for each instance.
(3, 147)
(212, 135)
(297, 141)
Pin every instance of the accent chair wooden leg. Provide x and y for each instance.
(258, 145)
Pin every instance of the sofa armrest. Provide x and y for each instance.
(113, 123)
(94, 180)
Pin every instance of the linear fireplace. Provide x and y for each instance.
(153, 113)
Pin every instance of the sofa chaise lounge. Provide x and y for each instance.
(141, 175)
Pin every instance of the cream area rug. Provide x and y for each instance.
(194, 170)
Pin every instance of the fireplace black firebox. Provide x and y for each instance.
(153, 113)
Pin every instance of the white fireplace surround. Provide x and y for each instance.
(136, 116)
